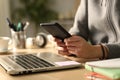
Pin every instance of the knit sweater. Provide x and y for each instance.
(99, 22)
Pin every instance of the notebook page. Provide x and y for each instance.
(110, 63)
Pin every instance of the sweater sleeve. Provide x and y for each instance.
(80, 26)
(114, 50)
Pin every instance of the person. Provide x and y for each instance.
(95, 32)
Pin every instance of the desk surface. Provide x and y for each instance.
(70, 74)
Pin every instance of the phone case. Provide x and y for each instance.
(56, 30)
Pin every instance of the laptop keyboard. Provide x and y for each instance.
(30, 61)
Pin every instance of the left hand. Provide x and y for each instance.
(80, 47)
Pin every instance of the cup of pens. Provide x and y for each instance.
(18, 39)
(18, 34)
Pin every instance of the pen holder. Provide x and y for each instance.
(18, 39)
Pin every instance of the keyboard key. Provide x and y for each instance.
(30, 61)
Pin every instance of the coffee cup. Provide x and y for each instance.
(4, 43)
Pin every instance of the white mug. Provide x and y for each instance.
(4, 43)
(30, 43)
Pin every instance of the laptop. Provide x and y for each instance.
(35, 62)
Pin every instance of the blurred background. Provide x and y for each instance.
(36, 12)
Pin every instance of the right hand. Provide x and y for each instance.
(62, 49)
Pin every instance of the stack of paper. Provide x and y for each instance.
(109, 68)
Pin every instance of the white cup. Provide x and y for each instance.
(4, 43)
(30, 43)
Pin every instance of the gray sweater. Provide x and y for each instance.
(99, 22)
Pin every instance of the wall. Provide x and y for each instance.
(65, 8)
(4, 13)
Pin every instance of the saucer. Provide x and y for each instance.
(5, 50)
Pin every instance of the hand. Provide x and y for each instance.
(80, 47)
(62, 48)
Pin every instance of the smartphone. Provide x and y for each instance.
(56, 30)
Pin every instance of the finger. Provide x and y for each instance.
(62, 48)
(71, 48)
(57, 40)
(74, 44)
(74, 52)
(63, 52)
(60, 44)
(72, 39)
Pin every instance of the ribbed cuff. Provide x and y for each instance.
(114, 50)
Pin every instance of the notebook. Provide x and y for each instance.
(36, 62)
(109, 68)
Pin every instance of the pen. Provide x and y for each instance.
(26, 25)
(11, 25)
(19, 26)
(22, 25)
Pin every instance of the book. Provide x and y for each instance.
(109, 63)
(109, 68)
(111, 73)
(96, 76)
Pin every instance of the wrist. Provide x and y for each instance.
(97, 52)
(105, 51)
